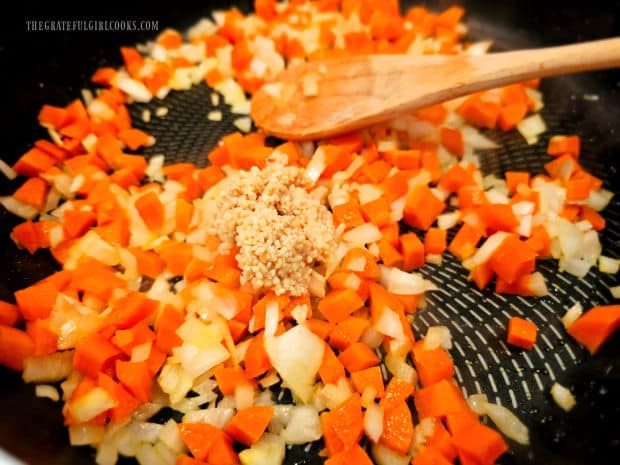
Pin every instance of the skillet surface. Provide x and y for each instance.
(51, 67)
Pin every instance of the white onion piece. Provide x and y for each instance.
(85, 434)
(368, 193)
(476, 140)
(362, 235)
(563, 397)
(303, 426)
(91, 404)
(385, 456)
(572, 314)
(373, 422)
(508, 423)
(598, 200)
(615, 292)
(316, 166)
(532, 127)
(48, 368)
(18, 208)
(269, 450)
(486, 250)
(169, 435)
(402, 283)
(48, 391)
(6, 169)
(216, 416)
(437, 336)
(296, 355)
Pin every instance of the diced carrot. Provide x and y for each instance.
(166, 337)
(432, 365)
(331, 369)
(348, 213)
(483, 444)
(521, 333)
(397, 391)
(228, 378)
(539, 241)
(514, 178)
(103, 76)
(34, 162)
(127, 339)
(435, 241)
(149, 263)
(125, 402)
(376, 171)
(321, 328)
(561, 145)
(422, 207)
(44, 339)
(151, 210)
(481, 275)
(37, 300)
(452, 140)
(136, 377)
(48, 147)
(176, 256)
(497, 217)
(170, 39)
(94, 278)
(593, 217)
(395, 186)
(55, 117)
(455, 178)
(377, 211)
(511, 115)
(347, 332)
(358, 356)
(403, 159)
(439, 399)
(386, 26)
(32, 192)
(390, 256)
(596, 325)
(207, 442)
(464, 243)
(397, 427)
(435, 114)
(441, 440)
(94, 354)
(249, 424)
(355, 454)
(9, 314)
(390, 234)
(412, 250)
(512, 259)
(15, 346)
(77, 222)
(209, 176)
(133, 60)
(562, 167)
(337, 305)
(430, 456)
(370, 378)
(345, 422)
(451, 16)
(577, 189)
(26, 235)
(480, 113)
(131, 309)
(256, 359)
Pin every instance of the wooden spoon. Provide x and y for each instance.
(323, 98)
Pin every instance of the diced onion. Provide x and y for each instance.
(303, 426)
(6, 169)
(532, 127)
(362, 235)
(608, 265)
(373, 422)
(48, 368)
(47, 391)
(85, 434)
(437, 336)
(563, 397)
(572, 314)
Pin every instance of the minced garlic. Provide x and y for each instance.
(282, 232)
